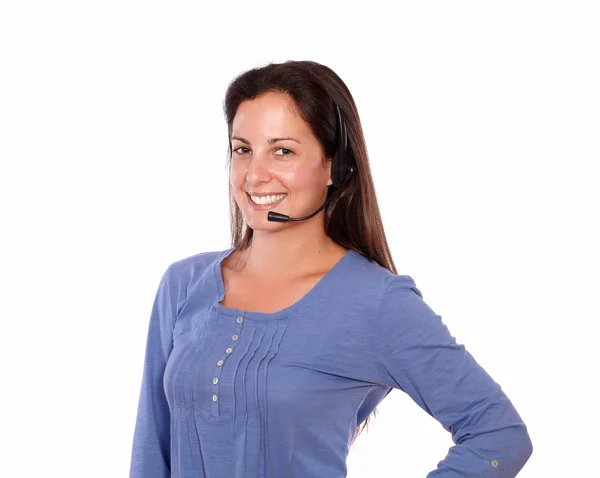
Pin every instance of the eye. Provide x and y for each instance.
(239, 147)
(289, 151)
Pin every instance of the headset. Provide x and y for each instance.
(343, 167)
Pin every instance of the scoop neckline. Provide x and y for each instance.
(281, 314)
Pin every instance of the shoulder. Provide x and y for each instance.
(192, 267)
(394, 300)
(363, 290)
(370, 276)
(405, 317)
(399, 284)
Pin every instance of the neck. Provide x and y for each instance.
(272, 254)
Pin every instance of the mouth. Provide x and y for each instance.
(265, 206)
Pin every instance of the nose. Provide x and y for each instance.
(259, 169)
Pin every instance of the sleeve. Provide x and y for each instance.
(416, 353)
(151, 450)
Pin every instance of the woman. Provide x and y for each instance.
(266, 358)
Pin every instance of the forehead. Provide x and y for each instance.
(271, 114)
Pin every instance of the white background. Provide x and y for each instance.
(482, 121)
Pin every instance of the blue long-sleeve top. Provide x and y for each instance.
(234, 393)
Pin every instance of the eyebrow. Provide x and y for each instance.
(270, 141)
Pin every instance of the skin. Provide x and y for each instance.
(297, 168)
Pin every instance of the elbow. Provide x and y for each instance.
(525, 447)
(520, 449)
(512, 447)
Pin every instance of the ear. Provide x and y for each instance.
(329, 181)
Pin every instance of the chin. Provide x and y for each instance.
(257, 222)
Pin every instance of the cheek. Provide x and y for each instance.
(301, 177)
(237, 176)
(236, 185)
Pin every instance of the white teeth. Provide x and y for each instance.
(267, 199)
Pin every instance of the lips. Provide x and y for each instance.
(263, 207)
(264, 194)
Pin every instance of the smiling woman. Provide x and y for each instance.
(269, 357)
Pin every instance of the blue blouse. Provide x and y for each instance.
(234, 393)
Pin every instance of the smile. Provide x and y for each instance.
(266, 202)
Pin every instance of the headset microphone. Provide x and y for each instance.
(342, 169)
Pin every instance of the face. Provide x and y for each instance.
(263, 163)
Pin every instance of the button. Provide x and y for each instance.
(215, 398)
(215, 380)
(229, 350)
(239, 320)
(494, 463)
(219, 363)
(235, 337)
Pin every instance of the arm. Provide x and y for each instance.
(416, 353)
(151, 454)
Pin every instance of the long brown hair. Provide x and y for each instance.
(352, 218)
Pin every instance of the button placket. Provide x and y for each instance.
(217, 372)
